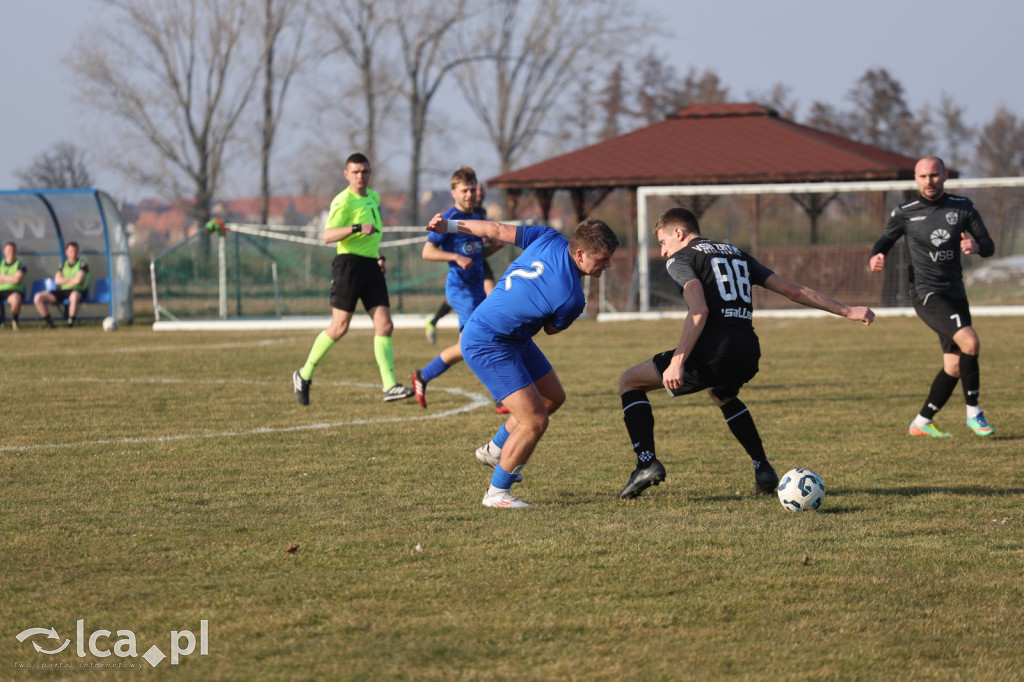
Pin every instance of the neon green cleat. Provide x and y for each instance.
(431, 332)
(980, 425)
(929, 430)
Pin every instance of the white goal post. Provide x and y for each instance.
(645, 221)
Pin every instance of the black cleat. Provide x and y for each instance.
(398, 392)
(301, 388)
(765, 479)
(642, 479)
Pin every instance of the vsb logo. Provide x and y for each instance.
(939, 237)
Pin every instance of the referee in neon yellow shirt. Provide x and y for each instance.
(357, 274)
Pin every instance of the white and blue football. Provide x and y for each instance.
(801, 490)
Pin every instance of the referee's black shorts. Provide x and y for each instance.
(357, 278)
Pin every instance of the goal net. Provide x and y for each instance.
(819, 234)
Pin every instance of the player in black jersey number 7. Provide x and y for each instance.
(939, 227)
(718, 349)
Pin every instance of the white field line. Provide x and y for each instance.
(476, 400)
(112, 348)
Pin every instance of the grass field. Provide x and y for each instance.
(153, 481)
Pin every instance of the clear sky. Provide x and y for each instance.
(817, 47)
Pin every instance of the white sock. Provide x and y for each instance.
(921, 421)
(973, 411)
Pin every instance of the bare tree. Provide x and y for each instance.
(704, 88)
(953, 134)
(613, 101)
(778, 97)
(1000, 149)
(574, 127)
(659, 92)
(284, 25)
(171, 76)
(881, 117)
(65, 165)
(534, 52)
(426, 31)
(356, 29)
(827, 117)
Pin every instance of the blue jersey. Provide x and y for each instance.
(542, 285)
(470, 245)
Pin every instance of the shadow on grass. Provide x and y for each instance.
(916, 490)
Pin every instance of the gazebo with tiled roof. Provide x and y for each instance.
(705, 144)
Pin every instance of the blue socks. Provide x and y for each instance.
(502, 479)
(500, 437)
(435, 369)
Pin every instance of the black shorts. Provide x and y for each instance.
(488, 273)
(357, 278)
(945, 316)
(7, 292)
(724, 367)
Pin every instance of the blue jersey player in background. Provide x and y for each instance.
(541, 289)
(464, 288)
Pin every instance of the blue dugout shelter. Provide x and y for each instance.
(42, 221)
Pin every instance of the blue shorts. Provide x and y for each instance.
(502, 366)
(464, 302)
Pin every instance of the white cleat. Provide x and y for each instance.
(504, 499)
(486, 456)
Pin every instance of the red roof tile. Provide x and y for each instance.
(713, 144)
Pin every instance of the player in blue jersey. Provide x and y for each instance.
(464, 288)
(717, 350)
(541, 289)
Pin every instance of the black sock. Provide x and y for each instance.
(942, 387)
(636, 410)
(442, 310)
(47, 318)
(737, 416)
(970, 378)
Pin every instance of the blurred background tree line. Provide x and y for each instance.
(194, 96)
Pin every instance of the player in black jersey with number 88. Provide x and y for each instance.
(718, 349)
(939, 227)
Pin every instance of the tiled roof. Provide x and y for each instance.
(713, 144)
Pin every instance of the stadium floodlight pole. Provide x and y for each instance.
(644, 193)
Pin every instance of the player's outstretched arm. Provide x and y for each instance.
(480, 228)
(806, 296)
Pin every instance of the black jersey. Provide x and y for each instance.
(933, 230)
(727, 275)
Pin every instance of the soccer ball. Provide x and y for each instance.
(801, 490)
(110, 324)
